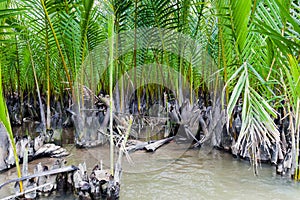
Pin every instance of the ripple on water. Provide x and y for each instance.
(212, 175)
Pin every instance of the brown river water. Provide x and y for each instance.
(173, 172)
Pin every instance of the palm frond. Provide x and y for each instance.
(258, 128)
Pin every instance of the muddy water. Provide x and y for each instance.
(173, 172)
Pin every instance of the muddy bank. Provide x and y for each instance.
(201, 123)
(26, 108)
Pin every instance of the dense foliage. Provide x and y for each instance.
(254, 44)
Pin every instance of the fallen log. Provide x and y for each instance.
(155, 145)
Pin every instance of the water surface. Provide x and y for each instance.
(173, 172)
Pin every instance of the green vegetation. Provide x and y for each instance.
(4, 117)
(254, 44)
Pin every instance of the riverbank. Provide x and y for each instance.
(197, 124)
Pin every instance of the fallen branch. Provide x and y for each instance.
(44, 173)
(137, 147)
(155, 145)
(187, 130)
(27, 191)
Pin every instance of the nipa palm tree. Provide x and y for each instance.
(254, 44)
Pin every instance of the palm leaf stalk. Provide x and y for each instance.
(43, 120)
(111, 68)
(59, 48)
(48, 121)
(5, 30)
(88, 5)
(4, 117)
(297, 127)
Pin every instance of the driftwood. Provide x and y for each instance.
(98, 185)
(155, 145)
(88, 143)
(44, 173)
(138, 146)
(27, 191)
(35, 147)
